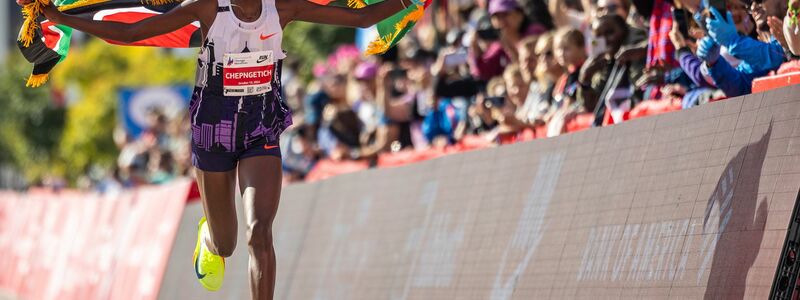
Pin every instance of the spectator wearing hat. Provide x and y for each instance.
(365, 104)
(491, 51)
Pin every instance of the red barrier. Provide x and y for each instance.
(472, 142)
(789, 67)
(775, 81)
(408, 156)
(541, 131)
(654, 107)
(83, 246)
(328, 168)
(580, 122)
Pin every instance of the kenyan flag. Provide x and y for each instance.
(45, 44)
(390, 30)
(394, 28)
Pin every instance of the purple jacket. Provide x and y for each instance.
(691, 66)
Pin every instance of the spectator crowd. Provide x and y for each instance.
(504, 70)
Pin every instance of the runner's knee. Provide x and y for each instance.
(259, 235)
(225, 245)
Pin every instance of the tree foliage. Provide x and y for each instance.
(30, 125)
(309, 43)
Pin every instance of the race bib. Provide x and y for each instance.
(246, 74)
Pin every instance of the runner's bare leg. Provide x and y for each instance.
(218, 192)
(260, 183)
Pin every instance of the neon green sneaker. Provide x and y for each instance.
(209, 267)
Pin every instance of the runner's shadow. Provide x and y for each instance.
(732, 210)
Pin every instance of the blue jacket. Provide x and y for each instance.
(758, 59)
(442, 121)
(759, 55)
(733, 81)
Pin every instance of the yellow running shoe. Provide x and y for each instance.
(209, 267)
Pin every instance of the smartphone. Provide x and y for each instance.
(398, 73)
(496, 102)
(720, 5)
(455, 59)
(680, 17)
(488, 34)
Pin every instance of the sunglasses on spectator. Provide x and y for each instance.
(546, 54)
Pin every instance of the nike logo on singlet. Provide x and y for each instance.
(268, 147)
(265, 37)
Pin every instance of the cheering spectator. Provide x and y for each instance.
(340, 127)
(365, 104)
(548, 71)
(756, 58)
(540, 88)
(760, 56)
(621, 8)
(702, 88)
(332, 89)
(570, 53)
(491, 51)
(606, 82)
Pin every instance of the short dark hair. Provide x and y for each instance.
(616, 20)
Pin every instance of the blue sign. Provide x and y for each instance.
(136, 103)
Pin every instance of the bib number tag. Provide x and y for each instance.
(247, 74)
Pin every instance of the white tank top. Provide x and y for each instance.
(229, 35)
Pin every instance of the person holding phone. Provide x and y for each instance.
(491, 50)
(702, 88)
(757, 58)
(689, 62)
(733, 29)
(501, 109)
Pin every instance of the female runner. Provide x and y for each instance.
(237, 113)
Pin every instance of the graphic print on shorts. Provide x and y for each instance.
(221, 124)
